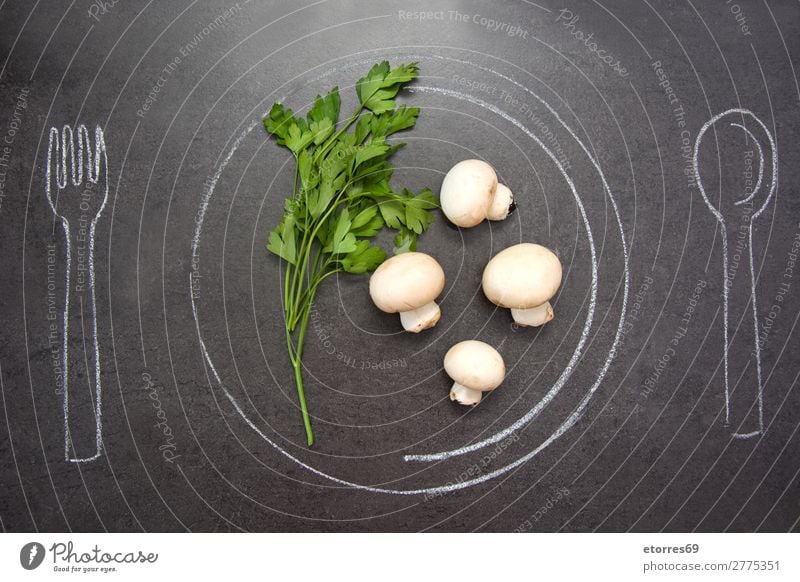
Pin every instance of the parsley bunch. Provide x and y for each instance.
(341, 196)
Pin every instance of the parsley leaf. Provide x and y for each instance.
(367, 222)
(364, 258)
(388, 123)
(283, 240)
(392, 211)
(377, 90)
(342, 240)
(405, 241)
(326, 108)
(299, 136)
(278, 121)
(418, 215)
(370, 151)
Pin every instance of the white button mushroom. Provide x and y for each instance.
(524, 278)
(475, 367)
(408, 284)
(470, 193)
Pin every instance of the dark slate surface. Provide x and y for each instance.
(179, 89)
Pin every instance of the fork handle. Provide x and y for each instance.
(80, 350)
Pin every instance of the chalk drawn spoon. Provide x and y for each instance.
(77, 191)
(744, 404)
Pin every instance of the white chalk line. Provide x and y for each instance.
(65, 145)
(568, 423)
(757, 187)
(721, 219)
(760, 391)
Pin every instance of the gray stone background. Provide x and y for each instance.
(180, 89)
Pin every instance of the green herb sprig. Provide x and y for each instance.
(341, 196)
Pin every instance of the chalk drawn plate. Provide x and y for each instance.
(593, 302)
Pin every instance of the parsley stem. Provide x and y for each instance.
(298, 275)
(298, 368)
(287, 298)
(299, 292)
(308, 295)
(296, 356)
(317, 255)
(298, 375)
(305, 245)
(296, 174)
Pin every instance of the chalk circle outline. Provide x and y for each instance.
(539, 406)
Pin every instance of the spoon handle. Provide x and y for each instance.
(80, 354)
(743, 381)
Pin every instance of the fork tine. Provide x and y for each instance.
(86, 164)
(58, 165)
(99, 152)
(53, 155)
(68, 156)
(80, 146)
(101, 166)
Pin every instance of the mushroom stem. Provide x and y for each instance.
(501, 203)
(463, 395)
(535, 316)
(421, 318)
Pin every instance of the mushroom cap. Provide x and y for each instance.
(467, 192)
(405, 282)
(476, 365)
(522, 276)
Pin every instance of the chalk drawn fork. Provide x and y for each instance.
(743, 393)
(77, 191)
